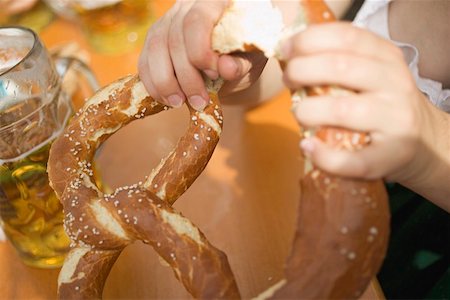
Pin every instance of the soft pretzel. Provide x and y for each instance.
(342, 226)
(101, 225)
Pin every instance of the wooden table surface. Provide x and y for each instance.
(245, 201)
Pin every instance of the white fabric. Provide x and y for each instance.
(373, 15)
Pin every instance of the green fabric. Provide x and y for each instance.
(417, 265)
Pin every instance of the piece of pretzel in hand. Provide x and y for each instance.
(101, 225)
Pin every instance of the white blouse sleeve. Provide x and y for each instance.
(373, 16)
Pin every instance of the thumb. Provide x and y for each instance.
(237, 66)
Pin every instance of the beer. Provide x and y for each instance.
(115, 25)
(31, 213)
(34, 109)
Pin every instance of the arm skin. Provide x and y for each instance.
(434, 63)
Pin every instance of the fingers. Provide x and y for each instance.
(189, 77)
(236, 66)
(342, 54)
(355, 111)
(340, 36)
(156, 72)
(359, 164)
(177, 49)
(382, 104)
(155, 64)
(339, 68)
(197, 28)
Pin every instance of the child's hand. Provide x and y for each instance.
(178, 50)
(387, 104)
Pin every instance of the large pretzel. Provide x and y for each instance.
(342, 225)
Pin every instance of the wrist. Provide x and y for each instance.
(428, 172)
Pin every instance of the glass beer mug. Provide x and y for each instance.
(33, 111)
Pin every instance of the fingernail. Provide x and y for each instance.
(211, 74)
(307, 146)
(175, 100)
(197, 102)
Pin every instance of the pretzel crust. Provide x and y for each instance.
(101, 225)
(342, 227)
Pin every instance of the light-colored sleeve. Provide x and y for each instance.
(373, 16)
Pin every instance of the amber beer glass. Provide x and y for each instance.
(114, 26)
(33, 111)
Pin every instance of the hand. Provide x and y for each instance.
(178, 50)
(387, 104)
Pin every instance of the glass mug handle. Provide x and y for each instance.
(64, 64)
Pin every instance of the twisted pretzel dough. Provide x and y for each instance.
(100, 225)
(342, 226)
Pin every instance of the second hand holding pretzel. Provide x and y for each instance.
(404, 126)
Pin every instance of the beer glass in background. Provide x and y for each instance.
(33, 112)
(33, 14)
(111, 26)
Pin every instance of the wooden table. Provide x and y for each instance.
(245, 201)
